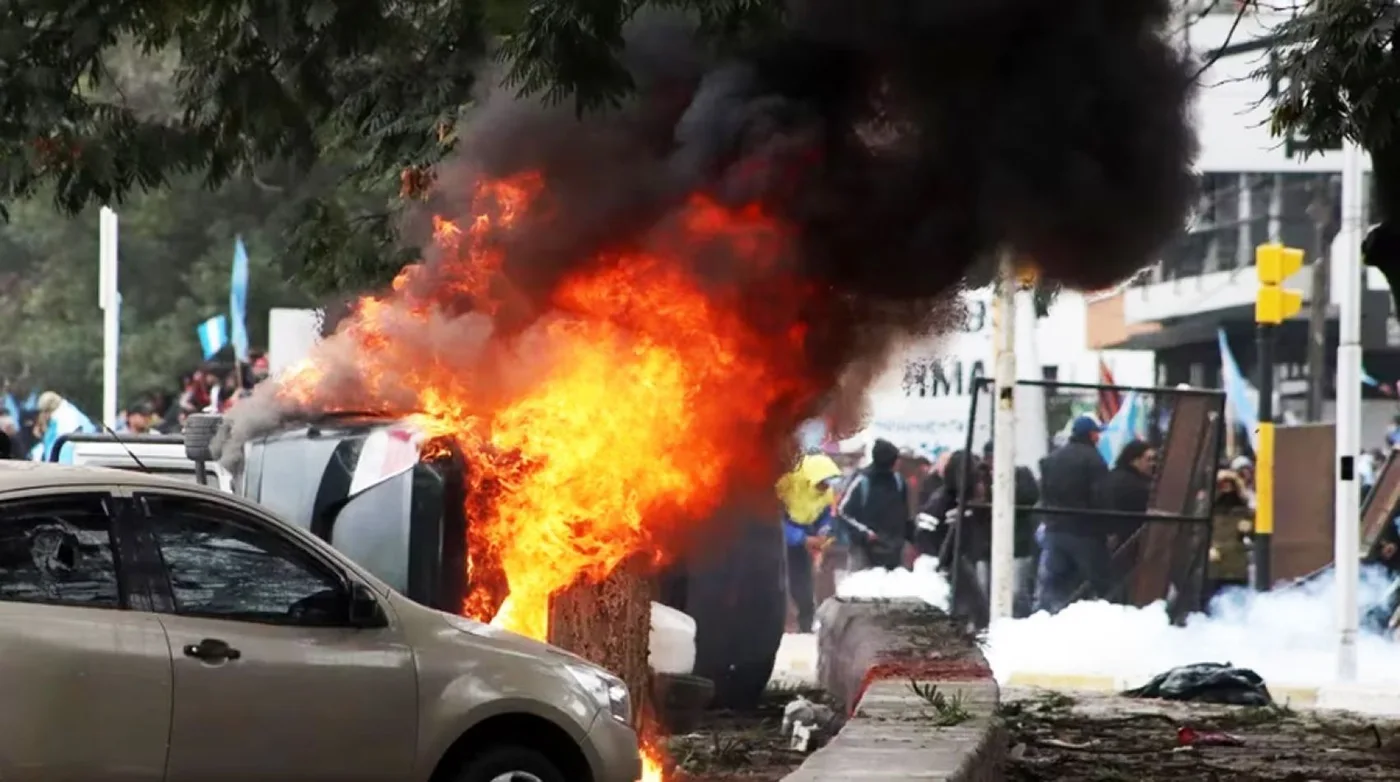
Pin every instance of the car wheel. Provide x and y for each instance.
(510, 764)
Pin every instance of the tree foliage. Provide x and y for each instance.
(1342, 75)
(105, 99)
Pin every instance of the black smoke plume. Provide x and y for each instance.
(907, 142)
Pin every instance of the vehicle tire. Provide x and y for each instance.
(200, 430)
(509, 764)
(745, 587)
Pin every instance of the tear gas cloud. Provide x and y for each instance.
(1287, 636)
(923, 582)
(902, 142)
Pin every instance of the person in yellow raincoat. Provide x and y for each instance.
(807, 494)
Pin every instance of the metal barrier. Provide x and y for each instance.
(1185, 427)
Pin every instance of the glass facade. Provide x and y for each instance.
(1238, 211)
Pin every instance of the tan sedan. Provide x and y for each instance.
(154, 631)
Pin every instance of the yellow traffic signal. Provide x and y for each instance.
(1275, 263)
(1275, 304)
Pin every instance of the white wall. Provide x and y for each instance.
(1057, 340)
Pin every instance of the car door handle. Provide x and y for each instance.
(212, 650)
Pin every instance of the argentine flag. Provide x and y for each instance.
(213, 335)
(1240, 397)
(238, 301)
(1128, 424)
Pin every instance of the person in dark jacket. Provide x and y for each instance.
(1075, 547)
(1027, 551)
(875, 511)
(964, 534)
(1126, 489)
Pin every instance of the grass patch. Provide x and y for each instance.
(948, 710)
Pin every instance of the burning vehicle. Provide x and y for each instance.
(372, 488)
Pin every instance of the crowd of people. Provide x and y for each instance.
(1075, 528)
(29, 429)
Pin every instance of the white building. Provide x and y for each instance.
(1254, 190)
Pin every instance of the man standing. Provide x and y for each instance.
(875, 510)
(1075, 549)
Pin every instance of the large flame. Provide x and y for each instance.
(647, 389)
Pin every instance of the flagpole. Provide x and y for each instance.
(109, 300)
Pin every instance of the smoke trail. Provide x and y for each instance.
(904, 142)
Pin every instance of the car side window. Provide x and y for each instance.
(58, 550)
(223, 564)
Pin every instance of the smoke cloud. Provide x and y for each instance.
(904, 142)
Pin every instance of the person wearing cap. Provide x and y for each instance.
(1074, 556)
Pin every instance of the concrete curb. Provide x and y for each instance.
(871, 655)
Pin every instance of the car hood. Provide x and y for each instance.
(508, 641)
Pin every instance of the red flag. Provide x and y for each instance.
(1109, 398)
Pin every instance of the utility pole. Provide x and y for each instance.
(1004, 436)
(1320, 210)
(1346, 552)
(1274, 304)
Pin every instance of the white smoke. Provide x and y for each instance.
(1287, 636)
(924, 583)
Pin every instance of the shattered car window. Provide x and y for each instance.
(221, 568)
(57, 551)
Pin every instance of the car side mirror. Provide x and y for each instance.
(365, 610)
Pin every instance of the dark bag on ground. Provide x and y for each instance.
(1207, 683)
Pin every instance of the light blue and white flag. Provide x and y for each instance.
(1126, 425)
(1241, 399)
(238, 301)
(213, 335)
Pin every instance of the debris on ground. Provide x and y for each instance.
(1207, 683)
(1110, 738)
(807, 724)
(754, 745)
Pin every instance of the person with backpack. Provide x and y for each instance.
(875, 511)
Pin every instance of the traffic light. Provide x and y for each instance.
(1275, 263)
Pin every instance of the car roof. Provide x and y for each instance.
(23, 475)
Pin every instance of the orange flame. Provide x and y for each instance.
(647, 393)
